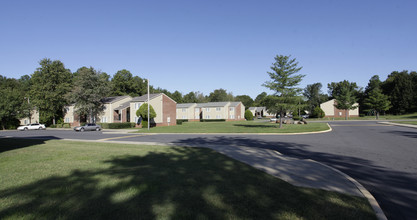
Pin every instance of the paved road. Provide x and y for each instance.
(382, 158)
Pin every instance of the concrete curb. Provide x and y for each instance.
(301, 133)
(398, 124)
(371, 199)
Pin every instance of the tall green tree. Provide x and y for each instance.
(177, 96)
(259, 98)
(399, 87)
(219, 95)
(10, 102)
(345, 94)
(374, 83)
(314, 96)
(50, 83)
(284, 82)
(377, 101)
(90, 87)
(246, 100)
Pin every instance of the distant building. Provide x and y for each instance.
(260, 111)
(331, 111)
(229, 111)
(164, 106)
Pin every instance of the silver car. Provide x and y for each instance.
(88, 127)
(34, 126)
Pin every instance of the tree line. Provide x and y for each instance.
(52, 86)
(396, 95)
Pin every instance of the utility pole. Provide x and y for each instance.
(149, 120)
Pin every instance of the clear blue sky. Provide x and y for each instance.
(199, 45)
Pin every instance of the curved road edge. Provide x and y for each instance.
(371, 199)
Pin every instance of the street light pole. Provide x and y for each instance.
(149, 120)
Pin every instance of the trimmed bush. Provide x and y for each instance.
(318, 112)
(180, 121)
(248, 115)
(212, 120)
(117, 125)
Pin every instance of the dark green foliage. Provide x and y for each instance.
(12, 102)
(180, 121)
(88, 92)
(377, 101)
(345, 93)
(220, 95)
(284, 82)
(248, 115)
(177, 96)
(317, 113)
(246, 100)
(314, 96)
(212, 120)
(50, 83)
(117, 125)
(143, 112)
(399, 87)
(258, 100)
(194, 97)
(124, 83)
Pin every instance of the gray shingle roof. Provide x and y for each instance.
(185, 105)
(144, 98)
(123, 106)
(114, 99)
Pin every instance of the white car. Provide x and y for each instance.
(34, 126)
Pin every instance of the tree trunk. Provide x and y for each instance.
(280, 120)
(347, 113)
(377, 115)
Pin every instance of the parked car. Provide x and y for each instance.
(305, 116)
(88, 127)
(273, 119)
(34, 126)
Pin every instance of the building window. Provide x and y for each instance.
(232, 109)
(218, 109)
(184, 110)
(184, 117)
(232, 116)
(66, 120)
(218, 116)
(197, 109)
(207, 116)
(207, 109)
(137, 106)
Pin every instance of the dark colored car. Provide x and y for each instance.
(88, 127)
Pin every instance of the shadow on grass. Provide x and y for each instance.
(7, 144)
(395, 191)
(182, 183)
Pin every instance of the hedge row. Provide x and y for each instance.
(180, 121)
(117, 125)
(64, 125)
(212, 120)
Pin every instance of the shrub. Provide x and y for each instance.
(248, 115)
(180, 121)
(212, 120)
(143, 112)
(117, 125)
(318, 112)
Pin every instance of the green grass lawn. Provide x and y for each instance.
(407, 122)
(237, 127)
(74, 180)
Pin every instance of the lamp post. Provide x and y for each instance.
(148, 104)
(149, 120)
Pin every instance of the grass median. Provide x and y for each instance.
(237, 127)
(74, 180)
